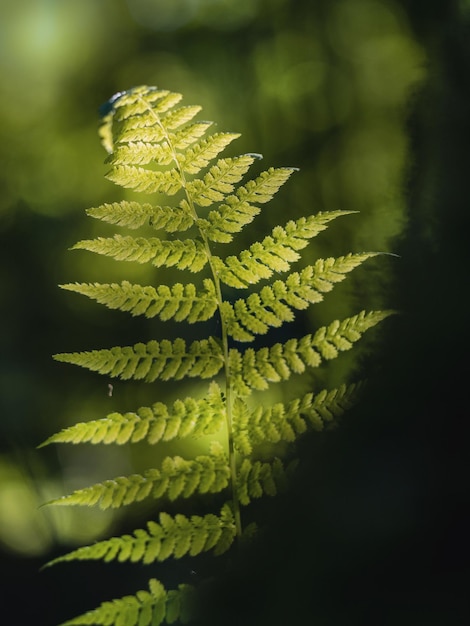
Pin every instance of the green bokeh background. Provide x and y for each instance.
(331, 87)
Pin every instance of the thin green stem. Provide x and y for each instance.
(224, 338)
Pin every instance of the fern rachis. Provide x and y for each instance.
(155, 147)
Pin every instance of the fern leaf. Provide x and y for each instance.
(268, 183)
(134, 215)
(193, 160)
(146, 181)
(257, 478)
(140, 153)
(139, 100)
(274, 253)
(145, 608)
(143, 114)
(132, 102)
(275, 303)
(155, 129)
(178, 117)
(177, 477)
(228, 219)
(257, 369)
(187, 254)
(239, 209)
(219, 181)
(171, 537)
(285, 422)
(188, 134)
(156, 359)
(185, 418)
(178, 302)
(155, 147)
(151, 149)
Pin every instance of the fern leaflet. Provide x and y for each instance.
(185, 418)
(275, 253)
(170, 537)
(134, 215)
(179, 302)
(187, 254)
(145, 608)
(157, 359)
(176, 478)
(286, 422)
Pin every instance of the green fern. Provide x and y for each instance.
(145, 608)
(156, 148)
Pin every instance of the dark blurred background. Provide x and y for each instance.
(370, 99)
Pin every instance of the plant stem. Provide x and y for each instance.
(224, 337)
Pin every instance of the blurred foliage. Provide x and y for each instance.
(321, 85)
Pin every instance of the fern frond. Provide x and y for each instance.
(194, 159)
(274, 253)
(151, 116)
(188, 134)
(263, 188)
(134, 215)
(257, 478)
(219, 181)
(275, 303)
(145, 608)
(169, 181)
(155, 146)
(140, 153)
(145, 150)
(156, 359)
(171, 537)
(227, 219)
(239, 209)
(177, 478)
(136, 101)
(146, 181)
(256, 369)
(178, 302)
(186, 254)
(185, 418)
(285, 422)
(148, 130)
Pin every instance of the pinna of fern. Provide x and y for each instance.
(155, 147)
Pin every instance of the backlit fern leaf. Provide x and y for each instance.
(176, 537)
(287, 421)
(178, 302)
(239, 209)
(187, 254)
(134, 215)
(146, 181)
(145, 608)
(155, 146)
(144, 128)
(275, 303)
(274, 253)
(220, 180)
(188, 134)
(257, 478)
(157, 359)
(159, 422)
(176, 478)
(198, 157)
(257, 369)
(140, 153)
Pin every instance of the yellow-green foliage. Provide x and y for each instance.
(156, 148)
